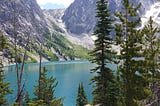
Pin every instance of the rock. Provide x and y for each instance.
(79, 17)
(28, 16)
(155, 100)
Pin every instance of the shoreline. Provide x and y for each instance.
(53, 62)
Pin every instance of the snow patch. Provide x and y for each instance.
(153, 12)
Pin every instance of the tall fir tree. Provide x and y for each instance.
(152, 61)
(81, 99)
(104, 89)
(4, 86)
(47, 89)
(151, 50)
(134, 83)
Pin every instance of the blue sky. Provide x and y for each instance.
(51, 4)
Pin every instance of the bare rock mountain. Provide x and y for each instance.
(24, 19)
(24, 14)
(80, 15)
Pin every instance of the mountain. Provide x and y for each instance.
(54, 21)
(80, 18)
(25, 13)
(25, 21)
(22, 19)
(63, 33)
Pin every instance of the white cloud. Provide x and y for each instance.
(59, 2)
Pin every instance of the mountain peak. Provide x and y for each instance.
(80, 18)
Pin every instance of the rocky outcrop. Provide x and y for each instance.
(80, 15)
(54, 19)
(55, 13)
(25, 19)
(25, 15)
(155, 100)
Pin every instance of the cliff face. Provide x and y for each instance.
(25, 19)
(25, 15)
(80, 15)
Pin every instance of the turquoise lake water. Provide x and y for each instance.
(68, 74)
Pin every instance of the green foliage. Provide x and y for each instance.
(72, 50)
(57, 102)
(81, 99)
(4, 86)
(65, 48)
(46, 94)
(105, 92)
(32, 60)
(57, 28)
(151, 54)
(27, 99)
(81, 52)
(151, 50)
(133, 80)
(50, 54)
(56, 41)
(3, 42)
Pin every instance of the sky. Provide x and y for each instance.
(52, 4)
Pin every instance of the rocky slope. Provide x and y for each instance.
(59, 31)
(54, 21)
(26, 15)
(22, 19)
(80, 15)
(25, 20)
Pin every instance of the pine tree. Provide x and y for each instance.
(81, 97)
(151, 50)
(134, 83)
(27, 99)
(4, 86)
(104, 89)
(151, 53)
(47, 91)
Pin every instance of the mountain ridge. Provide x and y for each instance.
(60, 31)
(24, 20)
(80, 18)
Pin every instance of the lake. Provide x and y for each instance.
(68, 74)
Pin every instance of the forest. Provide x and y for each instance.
(136, 82)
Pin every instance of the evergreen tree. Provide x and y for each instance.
(151, 50)
(81, 97)
(151, 54)
(47, 91)
(104, 89)
(4, 86)
(27, 99)
(134, 83)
